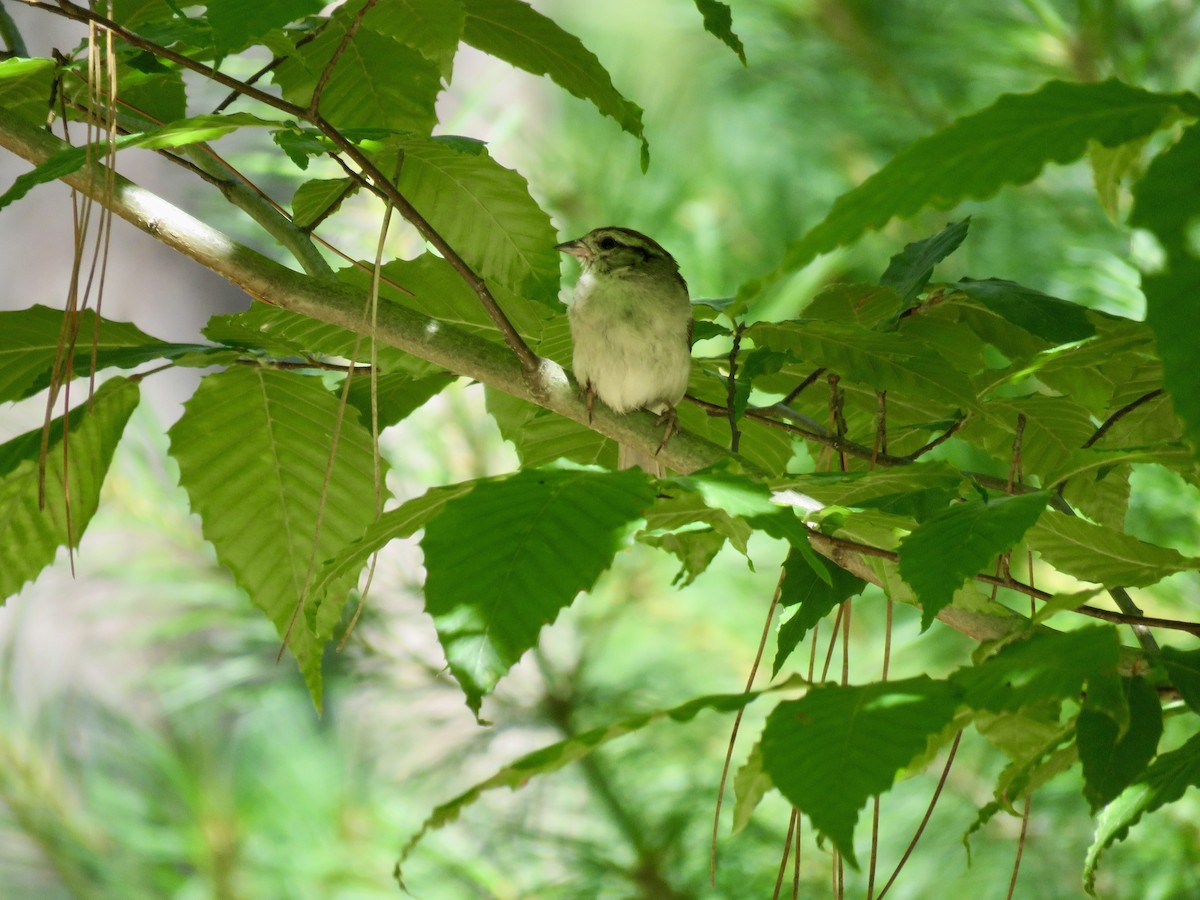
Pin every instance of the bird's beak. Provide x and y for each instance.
(575, 248)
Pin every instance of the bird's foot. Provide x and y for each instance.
(589, 394)
(669, 419)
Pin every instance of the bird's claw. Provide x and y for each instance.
(670, 419)
(589, 393)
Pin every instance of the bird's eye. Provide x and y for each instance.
(607, 243)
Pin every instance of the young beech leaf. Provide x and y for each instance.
(831, 751)
(948, 548)
(506, 558)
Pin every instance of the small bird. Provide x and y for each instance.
(631, 324)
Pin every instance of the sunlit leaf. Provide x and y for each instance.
(1044, 667)
(253, 447)
(831, 751)
(513, 31)
(506, 558)
(1010, 142)
(236, 25)
(1102, 555)
(198, 129)
(29, 340)
(25, 88)
(30, 536)
(1164, 782)
(952, 546)
(815, 598)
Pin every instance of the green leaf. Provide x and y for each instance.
(878, 360)
(236, 24)
(343, 568)
(865, 305)
(1040, 314)
(316, 199)
(556, 756)
(831, 751)
(910, 269)
(695, 550)
(1112, 758)
(196, 130)
(431, 27)
(1164, 782)
(541, 437)
(1103, 555)
(952, 546)
(29, 341)
(25, 88)
(1165, 204)
(29, 536)
(1046, 666)
(504, 560)
(253, 446)
(1110, 166)
(280, 333)
(378, 82)
(485, 212)
(750, 785)
(398, 395)
(922, 487)
(516, 33)
(816, 597)
(1007, 143)
(1184, 668)
(718, 21)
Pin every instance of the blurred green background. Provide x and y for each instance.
(150, 747)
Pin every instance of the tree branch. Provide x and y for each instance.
(336, 303)
(529, 360)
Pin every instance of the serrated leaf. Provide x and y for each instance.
(877, 360)
(1010, 142)
(910, 269)
(253, 447)
(316, 199)
(1055, 428)
(1165, 204)
(29, 341)
(865, 305)
(1040, 314)
(831, 751)
(541, 437)
(485, 212)
(198, 129)
(236, 24)
(695, 551)
(1102, 555)
(29, 536)
(1047, 666)
(516, 33)
(925, 486)
(25, 88)
(505, 559)
(281, 333)
(1164, 782)
(718, 21)
(378, 82)
(432, 27)
(1112, 757)
(750, 785)
(397, 395)
(938, 557)
(816, 598)
(556, 756)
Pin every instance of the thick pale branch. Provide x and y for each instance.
(340, 304)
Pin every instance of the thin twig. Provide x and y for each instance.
(737, 722)
(800, 388)
(937, 792)
(787, 849)
(314, 102)
(1012, 884)
(1119, 415)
